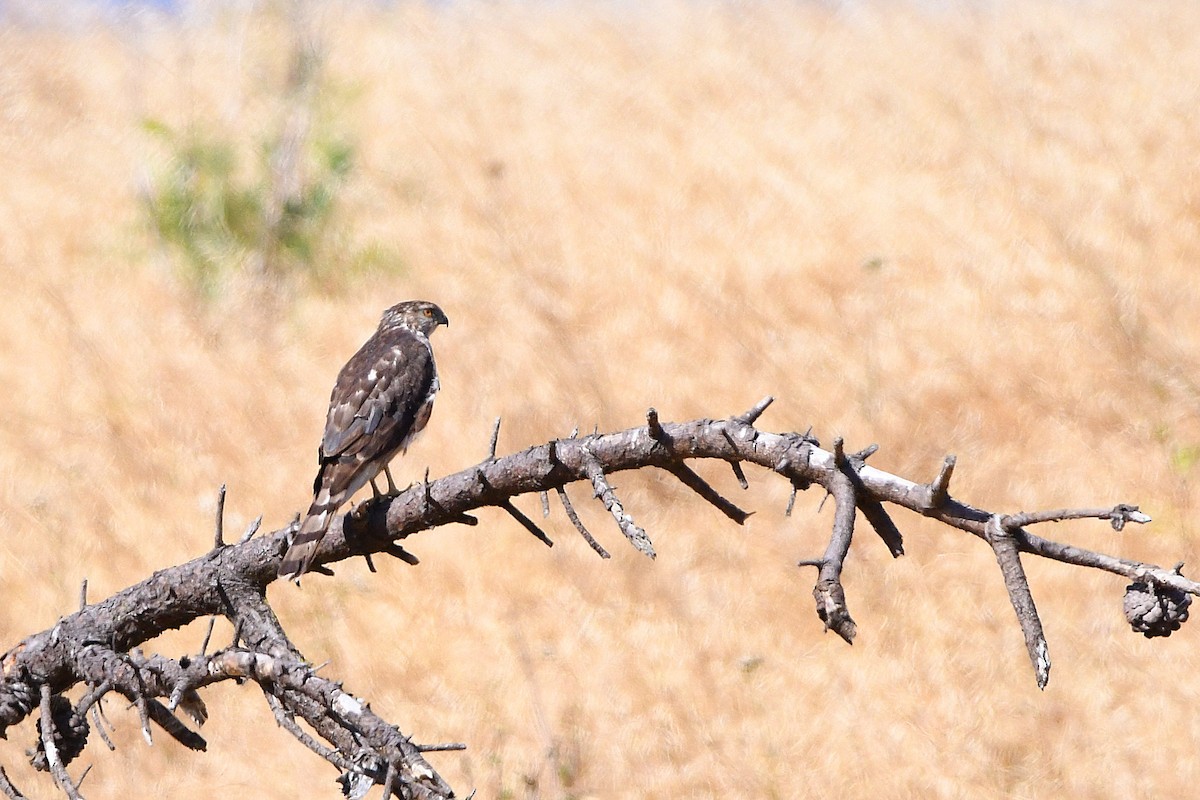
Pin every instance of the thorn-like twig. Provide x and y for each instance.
(604, 492)
(735, 464)
(98, 720)
(212, 623)
(440, 748)
(865, 453)
(6, 786)
(839, 453)
(251, 529)
(566, 501)
(52, 760)
(514, 512)
(655, 427)
(753, 414)
(698, 485)
(219, 534)
(495, 439)
(83, 595)
(1009, 558)
(144, 717)
(881, 522)
(787, 512)
(873, 510)
(545, 498)
(939, 489)
(396, 551)
(285, 721)
(529, 524)
(92, 697)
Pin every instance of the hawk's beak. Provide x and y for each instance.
(445, 320)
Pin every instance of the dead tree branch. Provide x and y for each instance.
(96, 646)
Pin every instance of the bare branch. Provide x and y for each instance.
(873, 510)
(881, 522)
(97, 644)
(251, 529)
(525, 521)
(939, 490)
(1017, 584)
(399, 552)
(219, 527)
(1117, 515)
(442, 747)
(91, 698)
(98, 721)
(6, 786)
(698, 485)
(566, 502)
(751, 416)
(212, 623)
(495, 440)
(787, 512)
(143, 708)
(830, 597)
(57, 770)
(604, 492)
(741, 476)
(655, 427)
(286, 721)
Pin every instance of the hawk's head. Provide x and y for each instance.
(415, 315)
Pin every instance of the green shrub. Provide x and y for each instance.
(216, 215)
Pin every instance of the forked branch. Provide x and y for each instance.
(97, 645)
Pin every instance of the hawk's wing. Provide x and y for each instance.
(378, 398)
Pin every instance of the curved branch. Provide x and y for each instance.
(95, 645)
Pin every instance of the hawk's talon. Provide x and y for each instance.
(392, 490)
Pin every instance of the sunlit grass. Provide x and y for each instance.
(968, 231)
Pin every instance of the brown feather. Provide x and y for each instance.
(382, 398)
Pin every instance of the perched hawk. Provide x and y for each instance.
(381, 401)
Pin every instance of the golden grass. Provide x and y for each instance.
(968, 231)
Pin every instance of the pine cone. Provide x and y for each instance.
(1155, 610)
(70, 734)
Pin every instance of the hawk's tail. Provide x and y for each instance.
(299, 556)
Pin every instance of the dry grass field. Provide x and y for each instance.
(945, 229)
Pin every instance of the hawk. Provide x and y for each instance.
(381, 401)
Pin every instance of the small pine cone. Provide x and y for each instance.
(1155, 610)
(70, 734)
(21, 698)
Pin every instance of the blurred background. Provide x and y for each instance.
(943, 227)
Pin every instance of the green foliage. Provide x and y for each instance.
(214, 208)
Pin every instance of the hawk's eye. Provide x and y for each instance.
(428, 312)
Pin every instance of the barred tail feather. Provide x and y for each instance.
(299, 556)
